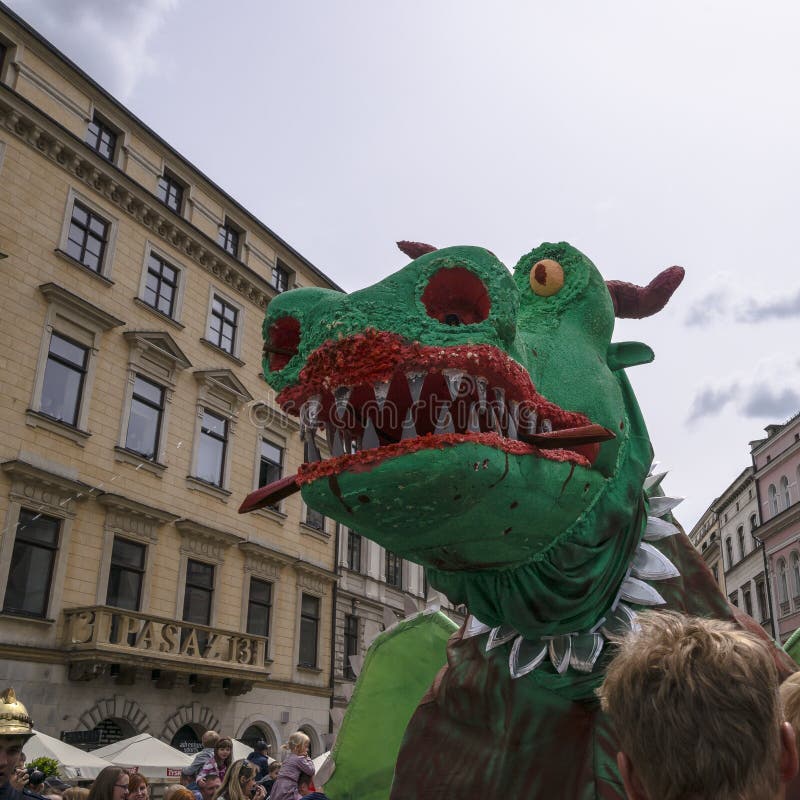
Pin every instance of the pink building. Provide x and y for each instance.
(776, 461)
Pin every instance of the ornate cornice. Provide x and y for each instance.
(130, 516)
(313, 578)
(263, 560)
(47, 491)
(201, 540)
(65, 150)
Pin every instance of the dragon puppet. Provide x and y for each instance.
(482, 425)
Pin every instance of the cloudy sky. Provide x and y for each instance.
(645, 134)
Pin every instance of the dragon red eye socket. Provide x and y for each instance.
(456, 296)
(284, 339)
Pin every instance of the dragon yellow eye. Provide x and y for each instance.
(547, 277)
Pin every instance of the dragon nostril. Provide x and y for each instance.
(456, 296)
(283, 341)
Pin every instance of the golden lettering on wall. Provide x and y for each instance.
(108, 628)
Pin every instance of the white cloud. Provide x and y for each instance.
(108, 39)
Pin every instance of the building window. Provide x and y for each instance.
(63, 379)
(280, 277)
(170, 191)
(715, 571)
(353, 551)
(394, 569)
(740, 536)
(785, 491)
(199, 592)
(211, 454)
(32, 561)
(87, 237)
(729, 551)
(3, 52)
(783, 583)
(796, 574)
(126, 575)
(314, 519)
(146, 414)
(748, 603)
(734, 598)
(271, 465)
(259, 607)
(102, 138)
(222, 324)
(763, 605)
(773, 498)
(229, 238)
(309, 630)
(350, 644)
(161, 285)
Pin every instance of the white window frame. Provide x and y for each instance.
(182, 273)
(237, 340)
(106, 267)
(156, 357)
(71, 316)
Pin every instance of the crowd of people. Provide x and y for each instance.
(697, 705)
(211, 775)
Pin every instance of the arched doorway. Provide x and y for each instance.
(111, 730)
(187, 740)
(254, 734)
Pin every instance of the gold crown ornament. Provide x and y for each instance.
(14, 719)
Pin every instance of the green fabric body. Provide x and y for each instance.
(398, 668)
(792, 646)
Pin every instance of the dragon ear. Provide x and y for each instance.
(415, 249)
(636, 302)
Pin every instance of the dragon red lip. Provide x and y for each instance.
(378, 396)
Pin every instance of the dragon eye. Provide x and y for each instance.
(456, 296)
(547, 277)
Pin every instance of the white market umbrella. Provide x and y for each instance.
(73, 763)
(323, 768)
(241, 750)
(147, 755)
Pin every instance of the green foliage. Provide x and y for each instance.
(47, 765)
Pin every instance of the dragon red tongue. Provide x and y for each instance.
(568, 438)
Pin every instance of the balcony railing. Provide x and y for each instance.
(785, 609)
(112, 635)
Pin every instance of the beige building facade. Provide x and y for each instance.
(135, 420)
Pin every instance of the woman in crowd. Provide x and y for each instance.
(138, 788)
(240, 783)
(76, 793)
(219, 763)
(110, 784)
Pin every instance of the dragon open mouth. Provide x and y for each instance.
(378, 396)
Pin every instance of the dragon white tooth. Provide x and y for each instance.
(381, 389)
(453, 377)
(481, 384)
(512, 428)
(445, 422)
(338, 445)
(415, 381)
(475, 627)
(653, 480)
(586, 649)
(546, 426)
(369, 441)
(357, 664)
(341, 395)
(499, 403)
(560, 649)
(472, 425)
(311, 446)
(409, 429)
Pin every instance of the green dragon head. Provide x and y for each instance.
(477, 423)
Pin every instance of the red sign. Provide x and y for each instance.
(173, 773)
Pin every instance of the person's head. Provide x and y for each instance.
(177, 792)
(223, 749)
(298, 743)
(261, 747)
(16, 728)
(304, 784)
(209, 739)
(76, 793)
(239, 781)
(274, 768)
(209, 786)
(111, 783)
(790, 698)
(674, 692)
(138, 788)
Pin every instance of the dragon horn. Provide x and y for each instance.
(415, 249)
(635, 302)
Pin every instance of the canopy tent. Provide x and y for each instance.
(147, 755)
(241, 750)
(73, 763)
